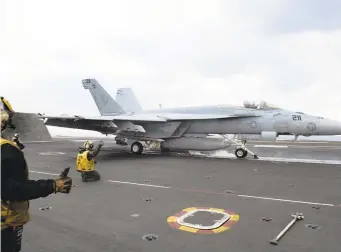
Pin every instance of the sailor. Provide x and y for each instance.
(17, 189)
(5, 105)
(86, 161)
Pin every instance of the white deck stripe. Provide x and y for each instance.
(131, 183)
(285, 200)
(38, 141)
(271, 146)
(47, 173)
(238, 195)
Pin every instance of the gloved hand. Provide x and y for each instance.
(101, 143)
(63, 185)
(15, 138)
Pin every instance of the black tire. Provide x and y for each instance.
(136, 148)
(240, 153)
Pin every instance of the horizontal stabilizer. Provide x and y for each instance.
(29, 127)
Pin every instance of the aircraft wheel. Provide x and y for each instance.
(137, 148)
(240, 153)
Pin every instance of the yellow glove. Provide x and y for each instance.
(63, 185)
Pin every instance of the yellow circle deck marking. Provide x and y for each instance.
(174, 220)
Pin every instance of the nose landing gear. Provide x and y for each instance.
(241, 151)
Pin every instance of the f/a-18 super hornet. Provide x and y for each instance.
(187, 128)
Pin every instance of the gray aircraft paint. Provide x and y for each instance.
(126, 98)
(104, 102)
(278, 120)
(264, 121)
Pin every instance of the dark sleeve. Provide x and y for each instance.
(92, 154)
(14, 185)
(20, 145)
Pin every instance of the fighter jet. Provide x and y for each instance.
(187, 128)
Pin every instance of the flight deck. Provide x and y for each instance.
(172, 203)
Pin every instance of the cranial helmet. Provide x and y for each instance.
(4, 119)
(88, 145)
(6, 114)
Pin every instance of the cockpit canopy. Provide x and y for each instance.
(261, 106)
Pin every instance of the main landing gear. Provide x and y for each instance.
(241, 151)
(136, 148)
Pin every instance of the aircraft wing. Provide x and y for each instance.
(146, 117)
(128, 122)
(192, 117)
(109, 118)
(100, 124)
(103, 124)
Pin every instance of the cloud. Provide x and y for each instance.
(173, 52)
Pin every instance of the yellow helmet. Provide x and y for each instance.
(6, 114)
(88, 145)
(5, 105)
(4, 119)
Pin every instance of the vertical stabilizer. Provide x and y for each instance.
(127, 99)
(105, 103)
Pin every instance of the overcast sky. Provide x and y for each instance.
(173, 52)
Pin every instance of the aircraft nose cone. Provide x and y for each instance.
(330, 127)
